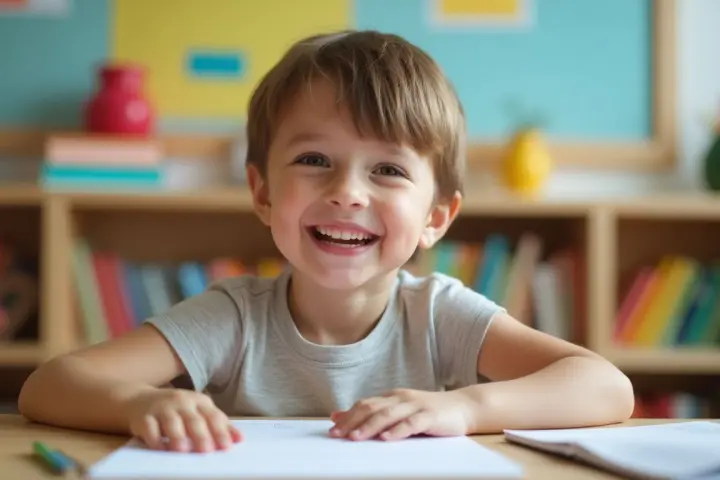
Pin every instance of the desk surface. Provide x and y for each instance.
(17, 434)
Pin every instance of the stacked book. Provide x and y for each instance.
(101, 162)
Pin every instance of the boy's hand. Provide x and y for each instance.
(189, 421)
(403, 413)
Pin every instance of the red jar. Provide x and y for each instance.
(119, 106)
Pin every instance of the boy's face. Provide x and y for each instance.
(345, 210)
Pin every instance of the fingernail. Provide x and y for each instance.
(335, 431)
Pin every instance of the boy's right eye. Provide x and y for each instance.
(313, 160)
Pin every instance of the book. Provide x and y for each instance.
(303, 449)
(685, 449)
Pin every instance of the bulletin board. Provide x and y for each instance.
(206, 57)
(600, 75)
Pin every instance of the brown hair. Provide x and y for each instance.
(393, 89)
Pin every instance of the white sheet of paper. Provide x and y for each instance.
(686, 449)
(294, 449)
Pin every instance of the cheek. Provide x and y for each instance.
(284, 190)
(405, 218)
(285, 212)
(288, 199)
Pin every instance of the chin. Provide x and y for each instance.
(342, 278)
(338, 279)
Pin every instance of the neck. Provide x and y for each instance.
(337, 317)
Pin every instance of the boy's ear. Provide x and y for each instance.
(441, 216)
(260, 192)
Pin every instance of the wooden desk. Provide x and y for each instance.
(17, 434)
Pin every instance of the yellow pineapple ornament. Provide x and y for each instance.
(527, 162)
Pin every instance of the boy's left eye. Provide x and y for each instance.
(312, 159)
(390, 170)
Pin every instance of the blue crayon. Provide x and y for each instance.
(55, 460)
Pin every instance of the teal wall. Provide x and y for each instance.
(47, 64)
(583, 64)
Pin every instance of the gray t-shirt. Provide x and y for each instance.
(239, 343)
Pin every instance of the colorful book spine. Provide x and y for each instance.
(673, 303)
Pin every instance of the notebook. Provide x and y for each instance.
(293, 449)
(686, 449)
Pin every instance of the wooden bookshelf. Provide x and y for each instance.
(614, 236)
(20, 194)
(666, 360)
(21, 353)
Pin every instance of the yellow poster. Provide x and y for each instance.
(481, 12)
(504, 8)
(204, 57)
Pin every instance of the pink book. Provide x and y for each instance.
(101, 151)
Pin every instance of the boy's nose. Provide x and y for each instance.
(347, 193)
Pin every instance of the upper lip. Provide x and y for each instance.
(345, 226)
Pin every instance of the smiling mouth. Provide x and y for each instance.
(343, 238)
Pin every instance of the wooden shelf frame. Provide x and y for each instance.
(594, 226)
(21, 353)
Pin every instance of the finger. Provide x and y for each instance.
(414, 424)
(338, 416)
(359, 414)
(345, 420)
(235, 434)
(148, 430)
(217, 423)
(197, 430)
(173, 427)
(382, 420)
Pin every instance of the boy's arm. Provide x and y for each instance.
(540, 381)
(535, 380)
(88, 388)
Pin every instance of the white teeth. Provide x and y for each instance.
(343, 234)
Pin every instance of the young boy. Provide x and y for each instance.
(355, 160)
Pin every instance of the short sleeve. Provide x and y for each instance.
(206, 333)
(461, 320)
